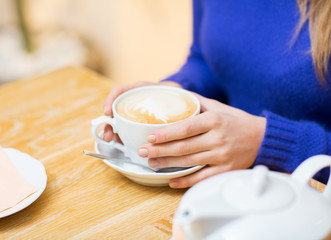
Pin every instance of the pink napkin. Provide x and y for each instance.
(14, 188)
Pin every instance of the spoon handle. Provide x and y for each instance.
(102, 156)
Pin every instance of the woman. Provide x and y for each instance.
(266, 68)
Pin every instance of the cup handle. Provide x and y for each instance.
(307, 169)
(102, 120)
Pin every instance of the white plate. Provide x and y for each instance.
(140, 175)
(33, 171)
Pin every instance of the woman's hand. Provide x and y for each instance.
(115, 92)
(222, 137)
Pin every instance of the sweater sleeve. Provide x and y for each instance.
(195, 75)
(288, 143)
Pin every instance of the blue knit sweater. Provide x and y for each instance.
(242, 55)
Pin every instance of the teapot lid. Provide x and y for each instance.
(257, 190)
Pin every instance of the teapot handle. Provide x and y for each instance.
(307, 169)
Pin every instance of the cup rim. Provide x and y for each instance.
(194, 98)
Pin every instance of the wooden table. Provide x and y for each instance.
(48, 117)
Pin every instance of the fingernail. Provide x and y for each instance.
(106, 110)
(143, 152)
(173, 184)
(151, 138)
(153, 163)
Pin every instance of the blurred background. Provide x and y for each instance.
(126, 40)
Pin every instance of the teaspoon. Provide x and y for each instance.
(159, 170)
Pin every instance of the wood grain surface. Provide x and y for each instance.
(49, 117)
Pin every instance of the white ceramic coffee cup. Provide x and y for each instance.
(133, 134)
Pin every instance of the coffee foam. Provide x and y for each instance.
(156, 106)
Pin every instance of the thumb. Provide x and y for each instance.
(207, 104)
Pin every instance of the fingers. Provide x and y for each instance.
(201, 158)
(207, 104)
(196, 144)
(108, 133)
(184, 129)
(190, 180)
(116, 91)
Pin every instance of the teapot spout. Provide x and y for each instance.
(197, 224)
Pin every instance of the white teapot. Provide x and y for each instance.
(257, 204)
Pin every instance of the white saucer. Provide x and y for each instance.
(33, 171)
(139, 175)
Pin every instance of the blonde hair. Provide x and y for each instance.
(319, 14)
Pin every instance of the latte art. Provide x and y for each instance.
(156, 106)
